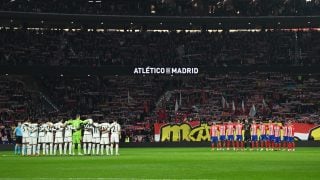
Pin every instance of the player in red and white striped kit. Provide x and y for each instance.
(263, 135)
(285, 136)
(230, 135)
(214, 135)
(239, 139)
(277, 141)
(254, 135)
(222, 139)
(291, 145)
(270, 142)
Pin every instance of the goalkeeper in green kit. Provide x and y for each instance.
(76, 133)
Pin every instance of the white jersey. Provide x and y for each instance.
(105, 129)
(42, 130)
(115, 128)
(88, 128)
(34, 130)
(96, 130)
(49, 134)
(68, 131)
(25, 127)
(58, 127)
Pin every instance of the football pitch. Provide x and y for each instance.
(167, 163)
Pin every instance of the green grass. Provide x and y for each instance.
(167, 163)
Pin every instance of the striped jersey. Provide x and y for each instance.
(277, 131)
(271, 129)
(214, 130)
(285, 130)
(254, 128)
(222, 130)
(290, 131)
(263, 129)
(230, 129)
(239, 129)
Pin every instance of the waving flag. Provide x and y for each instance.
(176, 107)
(253, 111)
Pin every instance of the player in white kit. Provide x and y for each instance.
(67, 139)
(58, 140)
(87, 137)
(104, 141)
(33, 138)
(115, 130)
(25, 127)
(42, 138)
(49, 139)
(96, 139)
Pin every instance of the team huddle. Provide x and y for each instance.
(67, 137)
(269, 135)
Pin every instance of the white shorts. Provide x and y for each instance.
(49, 139)
(25, 140)
(114, 138)
(42, 139)
(58, 140)
(33, 140)
(87, 138)
(104, 140)
(96, 140)
(67, 139)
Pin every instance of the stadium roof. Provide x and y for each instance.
(155, 22)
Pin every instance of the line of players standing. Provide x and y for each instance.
(223, 135)
(97, 139)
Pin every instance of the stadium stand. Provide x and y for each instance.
(169, 7)
(95, 49)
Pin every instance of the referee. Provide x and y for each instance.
(18, 133)
(247, 136)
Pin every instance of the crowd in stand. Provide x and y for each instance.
(60, 48)
(227, 96)
(141, 101)
(169, 7)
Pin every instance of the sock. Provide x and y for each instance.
(98, 148)
(60, 149)
(85, 148)
(117, 149)
(252, 144)
(19, 149)
(102, 149)
(34, 147)
(51, 148)
(93, 149)
(228, 144)
(111, 149)
(293, 145)
(79, 148)
(65, 148)
(28, 149)
(212, 146)
(23, 149)
(89, 148)
(257, 144)
(16, 149)
(38, 148)
(46, 149)
(70, 148)
(55, 149)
